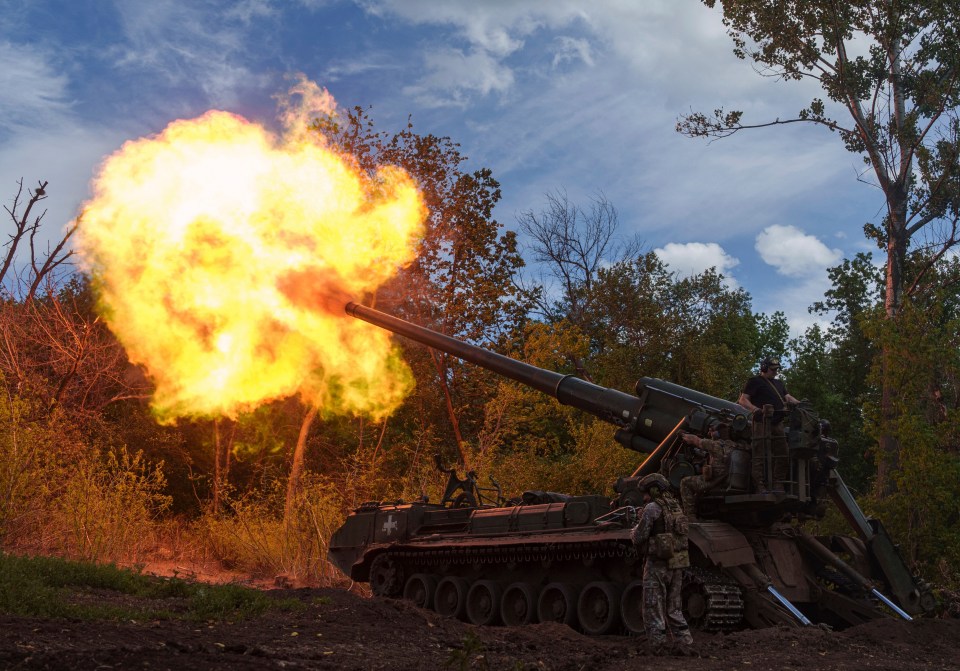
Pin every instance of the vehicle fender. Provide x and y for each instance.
(722, 544)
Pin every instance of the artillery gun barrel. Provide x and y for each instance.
(611, 405)
(645, 419)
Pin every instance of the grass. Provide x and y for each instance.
(49, 587)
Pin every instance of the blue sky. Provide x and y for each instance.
(551, 95)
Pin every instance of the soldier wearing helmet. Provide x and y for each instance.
(718, 448)
(759, 391)
(661, 534)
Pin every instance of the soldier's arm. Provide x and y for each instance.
(714, 448)
(641, 532)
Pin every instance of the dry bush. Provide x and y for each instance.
(252, 536)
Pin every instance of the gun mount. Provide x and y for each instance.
(554, 557)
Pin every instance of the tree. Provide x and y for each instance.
(53, 347)
(831, 366)
(573, 244)
(462, 280)
(23, 278)
(892, 67)
(693, 331)
(923, 512)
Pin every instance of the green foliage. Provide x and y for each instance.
(52, 587)
(106, 504)
(692, 331)
(531, 441)
(470, 654)
(64, 496)
(921, 357)
(841, 370)
(923, 515)
(831, 366)
(521, 419)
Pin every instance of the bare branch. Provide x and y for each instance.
(52, 261)
(21, 223)
(573, 244)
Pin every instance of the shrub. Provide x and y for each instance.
(252, 535)
(62, 496)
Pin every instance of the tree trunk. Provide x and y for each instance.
(296, 467)
(888, 460)
(440, 362)
(216, 467)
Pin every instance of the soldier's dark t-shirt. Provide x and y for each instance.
(761, 393)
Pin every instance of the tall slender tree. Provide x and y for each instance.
(890, 73)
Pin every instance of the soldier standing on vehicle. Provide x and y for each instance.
(760, 390)
(715, 473)
(661, 533)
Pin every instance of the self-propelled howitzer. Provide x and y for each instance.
(546, 556)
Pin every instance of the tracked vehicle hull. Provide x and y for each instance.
(551, 562)
(523, 564)
(551, 557)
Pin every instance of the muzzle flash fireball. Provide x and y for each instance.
(214, 245)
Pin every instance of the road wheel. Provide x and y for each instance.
(420, 588)
(483, 602)
(450, 598)
(631, 607)
(518, 606)
(599, 608)
(558, 603)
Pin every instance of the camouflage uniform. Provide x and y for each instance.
(662, 602)
(692, 486)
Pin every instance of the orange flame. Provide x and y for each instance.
(224, 255)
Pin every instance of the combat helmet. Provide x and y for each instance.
(647, 482)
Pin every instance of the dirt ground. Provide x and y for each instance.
(340, 630)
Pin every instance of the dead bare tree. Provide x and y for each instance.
(571, 244)
(53, 348)
(41, 266)
(54, 351)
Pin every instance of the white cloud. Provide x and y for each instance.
(650, 39)
(496, 26)
(571, 50)
(181, 44)
(606, 105)
(452, 75)
(64, 157)
(32, 91)
(802, 259)
(693, 258)
(46, 142)
(794, 253)
(493, 31)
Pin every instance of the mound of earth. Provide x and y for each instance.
(340, 630)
